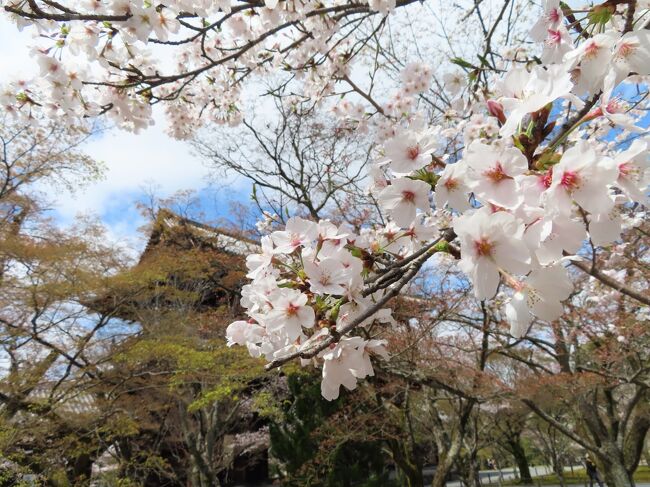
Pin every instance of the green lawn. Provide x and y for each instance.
(579, 477)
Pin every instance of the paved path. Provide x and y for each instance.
(492, 476)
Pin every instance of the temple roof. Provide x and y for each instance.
(169, 226)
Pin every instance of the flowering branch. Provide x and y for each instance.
(611, 282)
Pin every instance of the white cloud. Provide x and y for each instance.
(14, 52)
(150, 158)
(133, 161)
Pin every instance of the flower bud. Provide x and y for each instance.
(496, 110)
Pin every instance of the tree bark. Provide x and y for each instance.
(470, 469)
(614, 472)
(615, 475)
(408, 466)
(446, 461)
(519, 455)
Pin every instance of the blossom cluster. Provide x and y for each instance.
(102, 57)
(308, 284)
(520, 176)
(528, 191)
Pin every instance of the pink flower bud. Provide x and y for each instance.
(496, 110)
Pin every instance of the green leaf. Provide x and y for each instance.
(600, 14)
(442, 246)
(462, 63)
(426, 176)
(484, 61)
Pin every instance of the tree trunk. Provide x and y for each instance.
(442, 471)
(407, 465)
(559, 471)
(446, 461)
(615, 474)
(471, 470)
(519, 455)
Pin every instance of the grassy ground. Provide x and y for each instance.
(578, 477)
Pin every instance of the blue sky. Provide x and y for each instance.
(134, 162)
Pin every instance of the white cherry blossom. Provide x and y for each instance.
(290, 313)
(634, 171)
(348, 361)
(551, 236)
(402, 198)
(631, 54)
(491, 173)
(409, 151)
(583, 176)
(526, 92)
(489, 242)
(540, 294)
(551, 18)
(260, 264)
(558, 43)
(589, 62)
(327, 276)
(297, 233)
(452, 189)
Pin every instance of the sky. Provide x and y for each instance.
(134, 162)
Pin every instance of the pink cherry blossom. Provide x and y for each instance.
(297, 233)
(583, 176)
(489, 242)
(402, 198)
(290, 313)
(491, 173)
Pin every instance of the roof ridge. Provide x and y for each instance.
(166, 212)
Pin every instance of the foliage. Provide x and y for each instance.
(296, 440)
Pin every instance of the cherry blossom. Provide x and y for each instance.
(348, 361)
(605, 228)
(328, 276)
(490, 242)
(491, 173)
(589, 62)
(520, 148)
(403, 197)
(298, 233)
(260, 264)
(541, 295)
(455, 82)
(524, 92)
(614, 109)
(418, 233)
(631, 54)
(550, 19)
(634, 171)
(452, 189)
(290, 313)
(410, 151)
(582, 175)
(549, 237)
(245, 333)
(558, 43)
